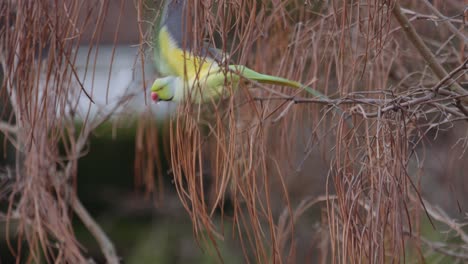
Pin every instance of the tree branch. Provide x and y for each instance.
(446, 21)
(104, 242)
(423, 50)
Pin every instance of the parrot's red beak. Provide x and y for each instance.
(154, 97)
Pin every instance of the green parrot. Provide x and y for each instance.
(201, 78)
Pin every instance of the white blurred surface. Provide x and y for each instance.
(125, 80)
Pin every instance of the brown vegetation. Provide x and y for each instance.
(397, 68)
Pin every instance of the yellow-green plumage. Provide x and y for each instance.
(175, 61)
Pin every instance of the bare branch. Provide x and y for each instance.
(445, 20)
(7, 128)
(424, 51)
(104, 242)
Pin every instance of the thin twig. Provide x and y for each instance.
(386, 105)
(451, 75)
(424, 51)
(433, 18)
(446, 21)
(302, 100)
(441, 216)
(5, 127)
(102, 239)
(438, 246)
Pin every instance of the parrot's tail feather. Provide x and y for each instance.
(269, 79)
(264, 78)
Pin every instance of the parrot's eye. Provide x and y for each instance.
(157, 87)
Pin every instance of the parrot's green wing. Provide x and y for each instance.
(213, 86)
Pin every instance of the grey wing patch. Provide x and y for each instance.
(214, 53)
(175, 19)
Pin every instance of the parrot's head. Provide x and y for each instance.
(163, 89)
